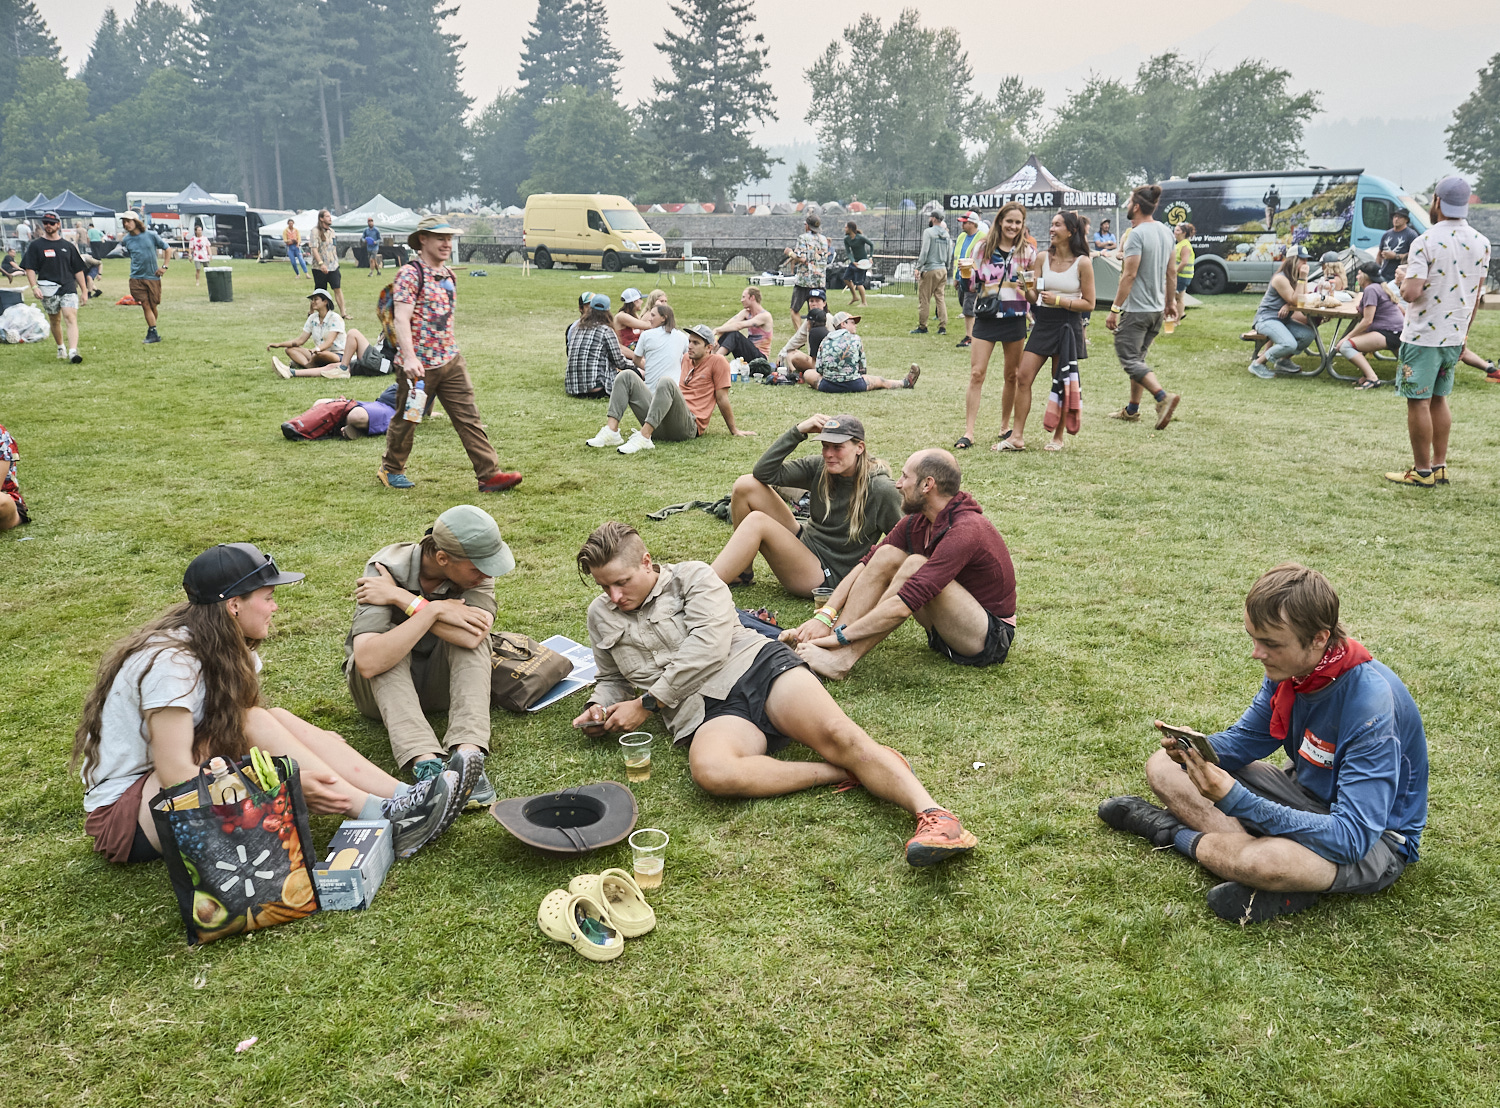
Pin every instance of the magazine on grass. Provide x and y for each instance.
(584, 670)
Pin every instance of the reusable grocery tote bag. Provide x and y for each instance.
(522, 670)
(242, 864)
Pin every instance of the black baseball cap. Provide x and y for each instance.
(231, 569)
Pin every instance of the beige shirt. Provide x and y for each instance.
(684, 643)
(404, 561)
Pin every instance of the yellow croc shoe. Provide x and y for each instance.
(617, 891)
(581, 922)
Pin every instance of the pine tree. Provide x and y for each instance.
(703, 112)
(568, 45)
(110, 71)
(23, 34)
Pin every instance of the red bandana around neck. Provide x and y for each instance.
(1335, 664)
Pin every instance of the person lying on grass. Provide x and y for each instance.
(852, 498)
(943, 563)
(1345, 813)
(733, 696)
(186, 687)
(326, 331)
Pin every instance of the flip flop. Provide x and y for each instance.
(855, 783)
(1006, 434)
(1005, 445)
(617, 890)
(579, 921)
(1053, 446)
(963, 443)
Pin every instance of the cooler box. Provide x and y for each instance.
(9, 298)
(220, 283)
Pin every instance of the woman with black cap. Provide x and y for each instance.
(186, 688)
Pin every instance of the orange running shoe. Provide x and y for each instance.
(939, 836)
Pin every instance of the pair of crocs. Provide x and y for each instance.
(596, 913)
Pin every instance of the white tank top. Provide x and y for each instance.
(1065, 282)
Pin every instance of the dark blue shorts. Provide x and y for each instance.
(859, 384)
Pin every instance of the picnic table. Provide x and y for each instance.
(1345, 314)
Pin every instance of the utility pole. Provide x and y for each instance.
(333, 180)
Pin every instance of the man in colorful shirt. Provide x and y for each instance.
(371, 238)
(971, 234)
(811, 254)
(1345, 813)
(425, 296)
(841, 362)
(12, 503)
(1445, 273)
(323, 247)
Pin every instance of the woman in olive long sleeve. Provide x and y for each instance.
(853, 504)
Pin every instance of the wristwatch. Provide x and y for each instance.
(649, 702)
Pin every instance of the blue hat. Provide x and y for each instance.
(600, 301)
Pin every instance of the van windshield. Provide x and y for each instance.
(625, 219)
(1416, 213)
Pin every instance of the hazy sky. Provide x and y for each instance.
(1413, 70)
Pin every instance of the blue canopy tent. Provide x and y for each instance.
(238, 241)
(70, 205)
(13, 208)
(38, 206)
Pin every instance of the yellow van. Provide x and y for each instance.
(589, 229)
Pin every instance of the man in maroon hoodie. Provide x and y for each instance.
(944, 563)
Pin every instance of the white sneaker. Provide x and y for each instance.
(336, 373)
(281, 367)
(605, 437)
(637, 443)
(62, 353)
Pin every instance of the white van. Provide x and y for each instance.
(588, 229)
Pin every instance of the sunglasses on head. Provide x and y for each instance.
(260, 570)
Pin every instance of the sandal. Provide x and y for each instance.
(1007, 444)
(1005, 434)
(1367, 384)
(963, 443)
(617, 890)
(1053, 445)
(855, 783)
(577, 920)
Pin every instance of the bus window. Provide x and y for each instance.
(1375, 213)
(596, 221)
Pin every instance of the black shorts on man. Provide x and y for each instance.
(747, 699)
(997, 640)
(327, 280)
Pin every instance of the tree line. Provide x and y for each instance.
(300, 103)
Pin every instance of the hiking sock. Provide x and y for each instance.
(1159, 395)
(1132, 408)
(1424, 473)
(372, 808)
(1186, 842)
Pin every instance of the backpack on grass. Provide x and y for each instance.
(323, 420)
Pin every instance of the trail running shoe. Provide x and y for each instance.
(1165, 409)
(417, 815)
(500, 482)
(151, 336)
(910, 380)
(1241, 904)
(1127, 415)
(1263, 371)
(1440, 474)
(469, 766)
(394, 480)
(1138, 816)
(939, 836)
(483, 794)
(917, 331)
(1413, 478)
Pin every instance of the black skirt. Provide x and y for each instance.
(1046, 335)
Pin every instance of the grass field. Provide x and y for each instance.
(798, 960)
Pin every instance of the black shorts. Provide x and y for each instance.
(856, 276)
(988, 328)
(859, 384)
(328, 280)
(747, 699)
(799, 297)
(1392, 339)
(1382, 863)
(997, 642)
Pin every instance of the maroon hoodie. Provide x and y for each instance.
(960, 546)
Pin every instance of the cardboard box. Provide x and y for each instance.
(358, 857)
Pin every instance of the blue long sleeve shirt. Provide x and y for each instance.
(1357, 744)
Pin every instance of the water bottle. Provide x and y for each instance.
(416, 400)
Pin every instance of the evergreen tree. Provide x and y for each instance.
(23, 34)
(47, 135)
(702, 114)
(568, 46)
(160, 138)
(110, 71)
(582, 143)
(372, 158)
(500, 162)
(1474, 134)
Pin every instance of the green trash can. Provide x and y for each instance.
(220, 283)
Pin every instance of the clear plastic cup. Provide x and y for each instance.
(822, 595)
(649, 849)
(636, 747)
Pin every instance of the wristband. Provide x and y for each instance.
(1114, 310)
(416, 605)
(828, 610)
(838, 633)
(822, 618)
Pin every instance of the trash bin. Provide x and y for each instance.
(9, 298)
(220, 283)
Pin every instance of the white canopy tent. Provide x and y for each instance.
(304, 221)
(390, 218)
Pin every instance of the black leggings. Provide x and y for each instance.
(738, 344)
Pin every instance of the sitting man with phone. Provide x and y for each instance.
(1346, 812)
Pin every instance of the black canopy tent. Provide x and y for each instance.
(233, 233)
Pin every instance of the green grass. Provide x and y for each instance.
(798, 960)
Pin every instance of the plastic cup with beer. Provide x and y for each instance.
(822, 595)
(636, 747)
(649, 849)
(1169, 324)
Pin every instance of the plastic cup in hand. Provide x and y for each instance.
(821, 596)
(649, 847)
(636, 747)
(1170, 324)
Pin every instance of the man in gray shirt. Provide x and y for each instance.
(932, 272)
(1146, 297)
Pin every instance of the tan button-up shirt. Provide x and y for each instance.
(685, 642)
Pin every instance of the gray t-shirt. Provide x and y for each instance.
(1153, 243)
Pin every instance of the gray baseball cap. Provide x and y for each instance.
(1453, 197)
(472, 533)
(703, 331)
(842, 428)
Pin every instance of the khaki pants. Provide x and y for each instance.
(664, 408)
(449, 383)
(932, 282)
(442, 677)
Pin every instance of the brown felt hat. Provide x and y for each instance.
(573, 821)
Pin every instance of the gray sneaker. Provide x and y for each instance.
(482, 796)
(468, 766)
(1261, 370)
(417, 815)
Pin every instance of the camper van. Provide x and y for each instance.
(588, 229)
(1244, 222)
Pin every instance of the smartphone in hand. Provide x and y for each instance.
(1188, 739)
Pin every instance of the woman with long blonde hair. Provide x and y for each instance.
(1000, 263)
(852, 503)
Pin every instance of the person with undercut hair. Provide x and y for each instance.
(1343, 815)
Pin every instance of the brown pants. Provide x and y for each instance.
(435, 677)
(932, 283)
(449, 383)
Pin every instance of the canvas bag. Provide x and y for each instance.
(238, 866)
(522, 670)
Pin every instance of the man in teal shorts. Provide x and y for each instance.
(1445, 273)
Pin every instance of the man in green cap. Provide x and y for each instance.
(420, 642)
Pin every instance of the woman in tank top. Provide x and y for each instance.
(1063, 291)
(1275, 317)
(999, 263)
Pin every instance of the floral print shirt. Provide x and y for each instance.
(841, 357)
(9, 453)
(1452, 259)
(810, 254)
(432, 318)
(323, 249)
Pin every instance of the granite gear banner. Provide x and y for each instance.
(242, 864)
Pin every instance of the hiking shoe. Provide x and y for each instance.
(1413, 478)
(468, 765)
(1241, 904)
(1164, 410)
(1440, 474)
(910, 380)
(77, 359)
(336, 372)
(151, 336)
(604, 438)
(395, 480)
(483, 794)
(417, 815)
(281, 368)
(1138, 816)
(939, 836)
(636, 443)
(500, 482)
(1493, 375)
(917, 331)
(1127, 415)
(425, 769)
(1261, 370)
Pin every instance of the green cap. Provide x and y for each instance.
(472, 533)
